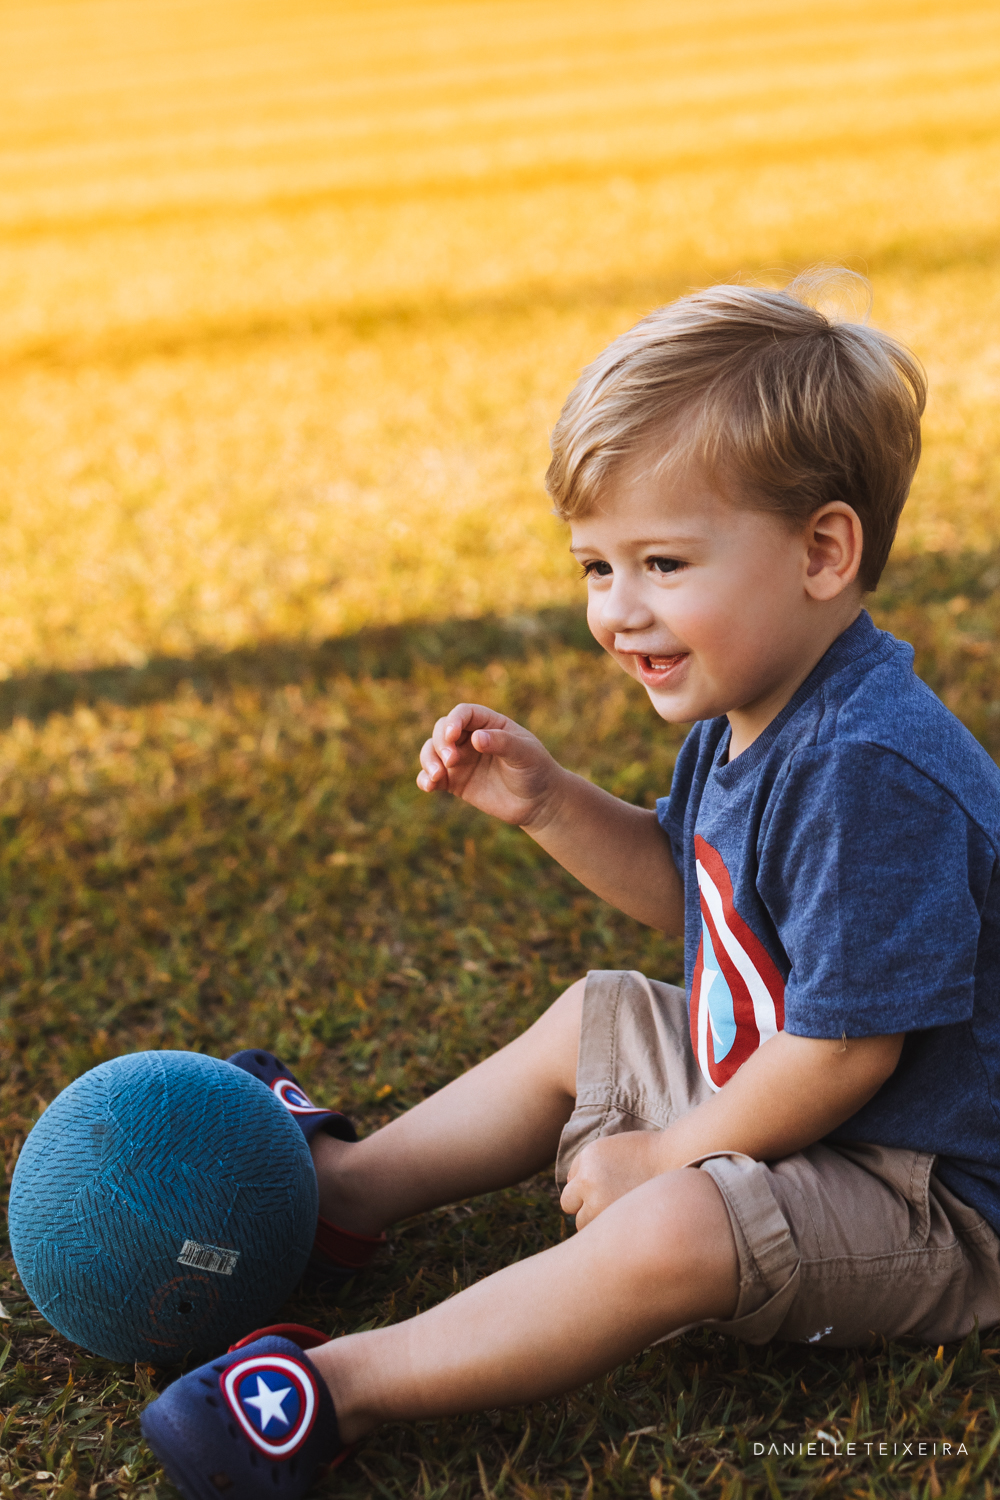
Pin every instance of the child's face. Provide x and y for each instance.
(711, 606)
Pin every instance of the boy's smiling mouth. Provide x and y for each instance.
(656, 671)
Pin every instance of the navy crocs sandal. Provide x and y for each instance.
(285, 1086)
(257, 1422)
(338, 1255)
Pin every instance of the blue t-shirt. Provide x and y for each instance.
(841, 877)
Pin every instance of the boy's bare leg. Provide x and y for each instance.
(655, 1260)
(495, 1125)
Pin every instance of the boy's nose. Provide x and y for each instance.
(623, 608)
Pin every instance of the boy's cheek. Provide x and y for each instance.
(605, 638)
(625, 659)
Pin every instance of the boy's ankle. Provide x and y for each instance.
(340, 1202)
(342, 1369)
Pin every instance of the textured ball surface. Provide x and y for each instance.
(164, 1205)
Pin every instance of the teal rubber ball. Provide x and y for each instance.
(163, 1207)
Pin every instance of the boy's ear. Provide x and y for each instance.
(834, 542)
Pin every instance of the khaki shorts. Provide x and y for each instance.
(836, 1244)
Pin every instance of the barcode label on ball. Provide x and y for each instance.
(208, 1258)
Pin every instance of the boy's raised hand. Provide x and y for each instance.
(616, 850)
(488, 760)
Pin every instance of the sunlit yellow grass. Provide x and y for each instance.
(291, 293)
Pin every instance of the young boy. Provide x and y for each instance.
(805, 1147)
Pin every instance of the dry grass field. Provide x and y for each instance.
(290, 295)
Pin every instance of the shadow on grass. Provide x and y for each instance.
(394, 651)
(379, 651)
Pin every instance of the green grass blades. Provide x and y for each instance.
(243, 858)
(292, 295)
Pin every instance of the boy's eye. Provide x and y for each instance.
(665, 564)
(596, 569)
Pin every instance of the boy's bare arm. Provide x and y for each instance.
(789, 1094)
(615, 849)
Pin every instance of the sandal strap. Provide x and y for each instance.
(296, 1333)
(344, 1246)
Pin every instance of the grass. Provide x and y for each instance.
(293, 293)
(218, 861)
(291, 296)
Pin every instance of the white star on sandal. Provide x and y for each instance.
(268, 1403)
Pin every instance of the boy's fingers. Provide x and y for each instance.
(442, 734)
(571, 1199)
(455, 724)
(429, 759)
(470, 724)
(433, 777)
(464, 725)
(467, 717)
(451, 731)
(516, 749)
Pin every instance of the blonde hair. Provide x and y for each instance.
(793, 407)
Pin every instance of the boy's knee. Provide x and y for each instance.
(677, 1226)
(569, 1006)
(559, 1029)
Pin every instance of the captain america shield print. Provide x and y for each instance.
(737, 993)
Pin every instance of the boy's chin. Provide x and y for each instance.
(671, 710)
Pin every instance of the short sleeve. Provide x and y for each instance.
(671, 811)
(875, 879)
(670, 817)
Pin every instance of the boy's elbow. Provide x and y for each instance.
(843, 1072)
(880, 1052)
(871, 1060)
